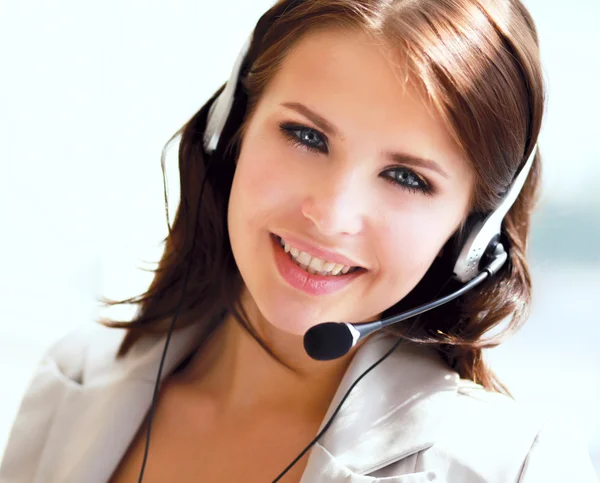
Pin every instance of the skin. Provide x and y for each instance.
(341, 199)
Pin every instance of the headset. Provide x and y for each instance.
(480, 256)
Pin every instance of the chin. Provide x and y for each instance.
(292, 324)
(290, 321)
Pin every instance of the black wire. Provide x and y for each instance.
(177, 311)
(326, 427)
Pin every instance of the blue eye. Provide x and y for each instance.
(305, 137)
(407, 179)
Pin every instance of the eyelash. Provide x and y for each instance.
(292, 133)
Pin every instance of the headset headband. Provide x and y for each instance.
(482, 238)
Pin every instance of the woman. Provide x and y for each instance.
(365, 141)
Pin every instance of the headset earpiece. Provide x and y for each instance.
(484, 234)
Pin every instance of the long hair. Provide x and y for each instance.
(478, 62)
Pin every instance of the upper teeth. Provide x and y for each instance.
(314, 264)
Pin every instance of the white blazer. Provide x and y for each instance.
(410, 420)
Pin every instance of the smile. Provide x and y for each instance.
(310, 274)
(315, 265)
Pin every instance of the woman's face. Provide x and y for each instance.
(345, 161)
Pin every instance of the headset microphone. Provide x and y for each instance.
(331, 340)
(480, 257)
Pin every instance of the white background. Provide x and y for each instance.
(90, 92)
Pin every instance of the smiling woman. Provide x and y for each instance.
(323, 163)
(357, 150)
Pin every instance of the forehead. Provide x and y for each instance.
(358, 83)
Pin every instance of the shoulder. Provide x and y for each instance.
(62, 371)
(490, 437)
(81, 354)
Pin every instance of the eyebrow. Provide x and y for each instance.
(319, 120)
(409, 159)
(330, 129)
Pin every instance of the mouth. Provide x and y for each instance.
(315, 265)
(309, 274)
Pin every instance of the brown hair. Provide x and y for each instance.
(478, 61)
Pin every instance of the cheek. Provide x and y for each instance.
(408, 244)
(264, 183)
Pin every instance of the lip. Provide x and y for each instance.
(319, 252)
(309, 283)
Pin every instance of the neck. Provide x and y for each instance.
(236, 372)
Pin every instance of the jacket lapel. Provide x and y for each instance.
(109, 408)
(393, 412)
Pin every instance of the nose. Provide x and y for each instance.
(335, 207)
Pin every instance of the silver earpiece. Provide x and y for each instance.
(484, 232)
